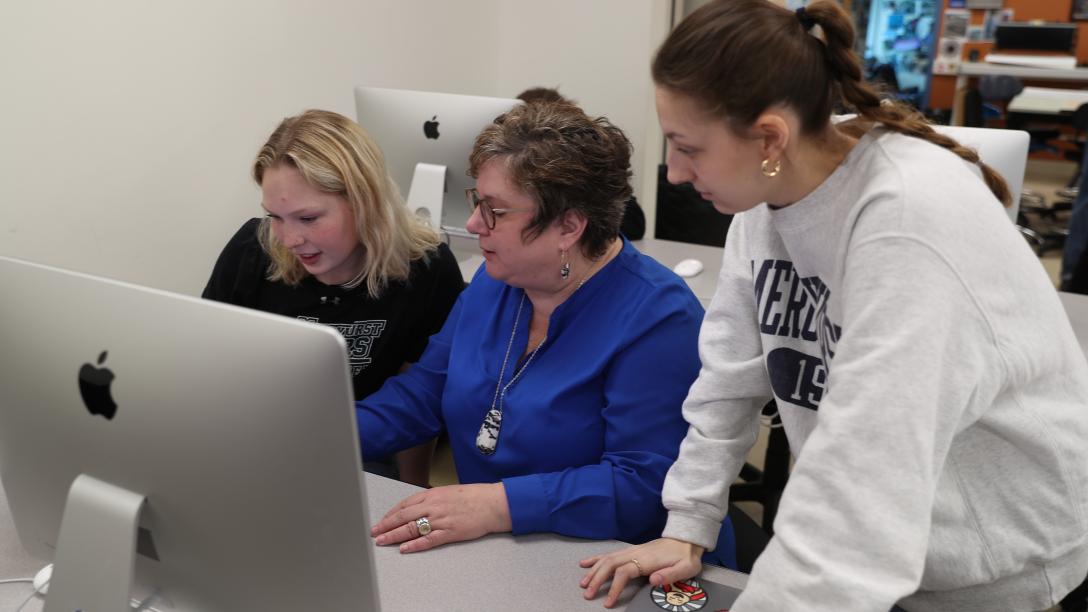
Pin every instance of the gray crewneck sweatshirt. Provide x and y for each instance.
(929, 383)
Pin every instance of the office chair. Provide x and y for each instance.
(980, 105)
(1045, 226)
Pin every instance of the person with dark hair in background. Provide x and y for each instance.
(928, 380)
(338, 246)
(560, 372)
(633, 225)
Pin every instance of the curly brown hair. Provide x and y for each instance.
(566, 161)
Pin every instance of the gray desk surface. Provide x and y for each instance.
(670, 253)
(498, 572)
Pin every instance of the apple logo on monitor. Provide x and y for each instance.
(94, 387)
(430, 128)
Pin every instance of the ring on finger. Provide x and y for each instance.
(637, 565)
(423, 525)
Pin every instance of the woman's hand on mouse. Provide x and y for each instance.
(454, 513)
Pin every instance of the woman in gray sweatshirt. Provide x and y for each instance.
(928, 380)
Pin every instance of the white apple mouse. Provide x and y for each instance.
(688, 268)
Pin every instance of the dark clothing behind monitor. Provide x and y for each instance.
(685, 217)
(633, 225)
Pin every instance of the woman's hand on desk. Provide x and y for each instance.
(454, 513)
(664, 560)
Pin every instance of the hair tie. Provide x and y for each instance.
(806, 21)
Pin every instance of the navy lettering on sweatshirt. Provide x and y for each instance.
(789, 306)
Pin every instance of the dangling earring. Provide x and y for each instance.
(564, 270)
(767, 170)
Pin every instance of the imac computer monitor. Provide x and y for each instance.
(437, 129)
(208, 450)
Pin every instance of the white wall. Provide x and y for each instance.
(597, 52)
(128, 126)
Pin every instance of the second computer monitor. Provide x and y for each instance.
(414, 127)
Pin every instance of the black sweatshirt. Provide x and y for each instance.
(381, 334)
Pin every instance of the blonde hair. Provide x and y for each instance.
(335, 155)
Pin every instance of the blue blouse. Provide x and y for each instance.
(592, 424)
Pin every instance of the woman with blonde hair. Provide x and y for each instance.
(926, 375)
(338, 246)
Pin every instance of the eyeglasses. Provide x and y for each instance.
(487, 213)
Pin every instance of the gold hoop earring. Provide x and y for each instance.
(768, 171)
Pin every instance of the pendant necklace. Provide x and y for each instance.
(487, 439)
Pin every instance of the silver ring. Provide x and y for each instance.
(423, 525)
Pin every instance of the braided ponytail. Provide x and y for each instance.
(846, 68)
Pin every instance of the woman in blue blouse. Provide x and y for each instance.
(560, 372)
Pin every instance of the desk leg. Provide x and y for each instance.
(957, 99)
